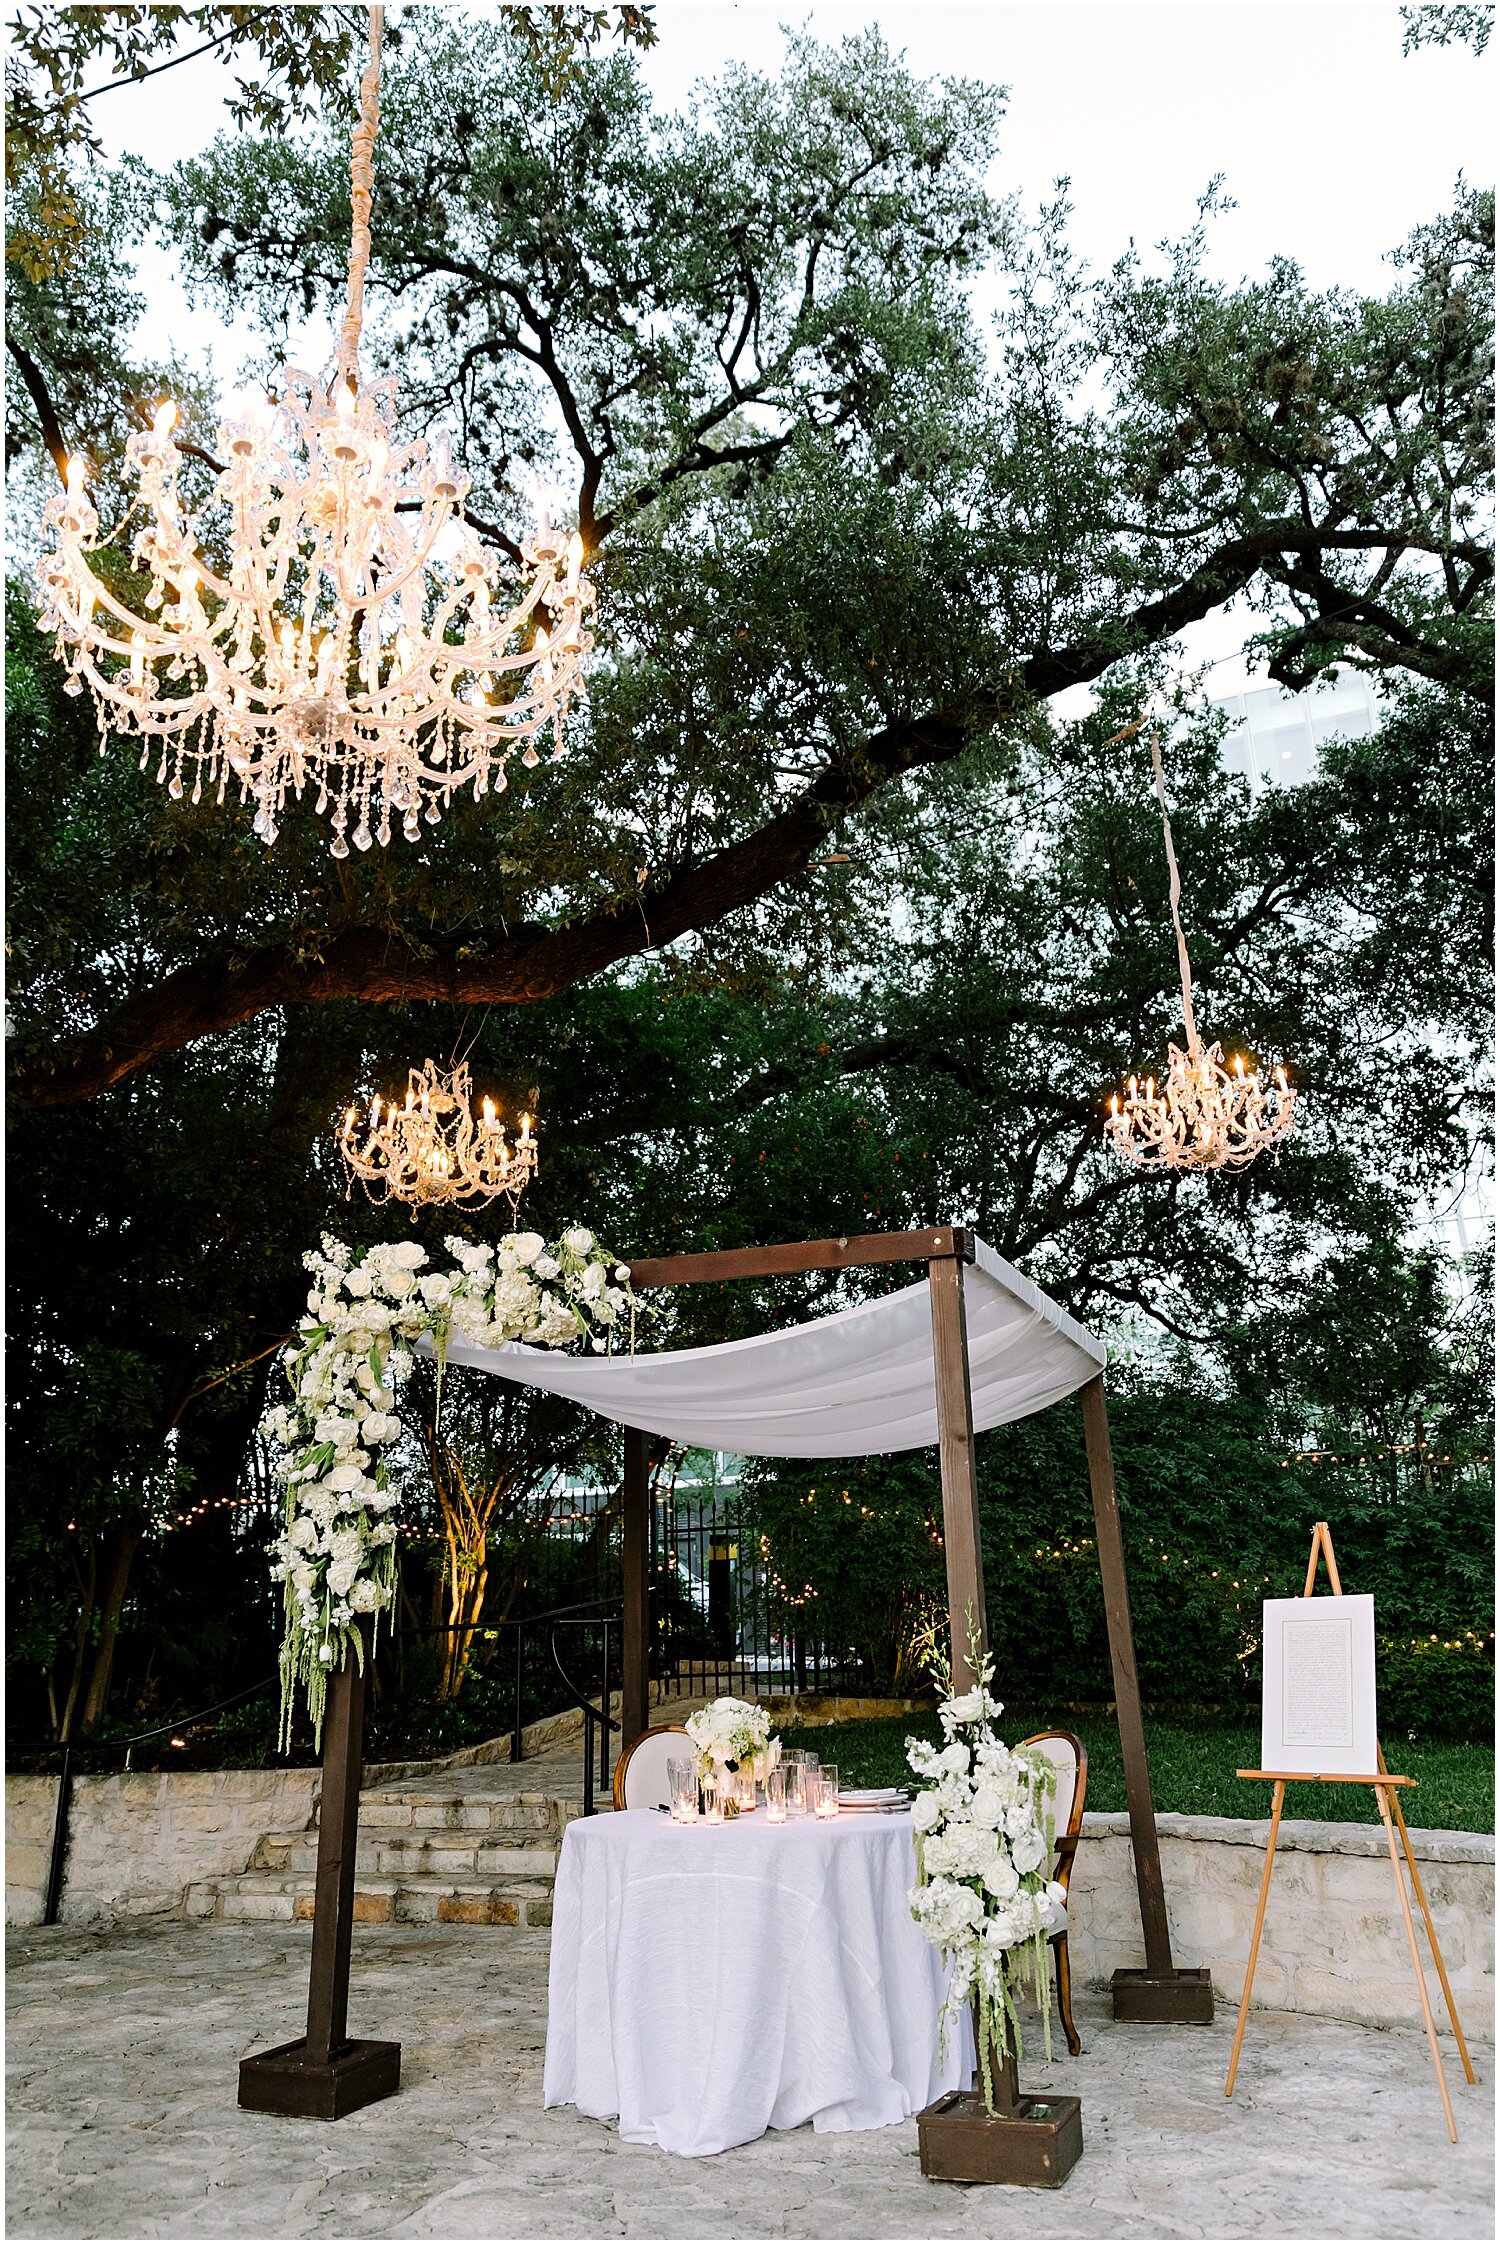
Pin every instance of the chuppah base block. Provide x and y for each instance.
(287, 2080)
(1035, 2145)
(1182, 1998)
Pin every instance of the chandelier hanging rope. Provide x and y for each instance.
(433, 1152)
(329, 620)
(1206, 1113)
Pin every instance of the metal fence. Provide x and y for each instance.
(718, 1624)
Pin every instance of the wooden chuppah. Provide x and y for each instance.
(325, 2075)
(1162, 1992)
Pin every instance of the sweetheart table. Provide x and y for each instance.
(711, 1981)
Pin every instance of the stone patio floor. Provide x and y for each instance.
(122, 2049)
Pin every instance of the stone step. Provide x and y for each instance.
(407, 1854)
(538, 1813)
(285, 1897)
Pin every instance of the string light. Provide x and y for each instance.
(1207, 1113)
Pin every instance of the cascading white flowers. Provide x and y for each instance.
(729, 1734)
(336, 1554)
(984, 1839)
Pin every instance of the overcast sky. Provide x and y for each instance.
(1333, 144)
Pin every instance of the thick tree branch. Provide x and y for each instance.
(521, 966)
(36, 388)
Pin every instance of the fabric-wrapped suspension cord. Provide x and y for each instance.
(1176, 895)
(362, 186)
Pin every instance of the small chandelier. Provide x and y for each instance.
(1205, 1113)
(346, 635)
(432, 1152)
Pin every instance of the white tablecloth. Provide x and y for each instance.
(710, 1982)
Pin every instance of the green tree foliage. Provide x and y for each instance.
(842, 538)
(305, 55)
(825, 924)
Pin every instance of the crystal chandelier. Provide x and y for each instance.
(329, 619)
(432, 1152)
(1205, 1113)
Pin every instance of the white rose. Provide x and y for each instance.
(986, 1807)
(435, 1289)
(526, 1246)
(578, 1241)
(954, 1759)
(406, 1255)
(1029, 1850)
(304, 1532)
(968, 1707)
(926, 1810)
(622, 1274)
(1000, 1879)
(341, 1576)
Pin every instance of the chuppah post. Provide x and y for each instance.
(325, 2075)
(1162, 1992)
(955, 1417)
(635, 1654)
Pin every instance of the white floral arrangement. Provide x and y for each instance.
(727, 1735)
(984, 1839)
(336, 1554)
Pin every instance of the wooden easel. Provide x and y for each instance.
(1388, 1796)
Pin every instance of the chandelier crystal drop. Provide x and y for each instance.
(1205, 1113)
(329, 620)
(433, 1152)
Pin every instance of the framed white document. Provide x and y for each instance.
(1317, 1710)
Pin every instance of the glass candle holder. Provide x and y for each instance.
(744, 1790)
(775, 1796)
(684, 1787)
(827, 1802)
(713, 1801)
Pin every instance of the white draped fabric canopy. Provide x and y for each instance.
(856, 1384)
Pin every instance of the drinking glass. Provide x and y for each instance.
(684, 1792)
(775, 1796)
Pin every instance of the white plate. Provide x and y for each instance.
(874, 1794)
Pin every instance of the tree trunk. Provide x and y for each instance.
(80, 1648)
(127, 1540)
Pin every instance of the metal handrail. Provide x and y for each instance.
(591, 1715)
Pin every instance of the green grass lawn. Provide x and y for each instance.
(1192, 1768)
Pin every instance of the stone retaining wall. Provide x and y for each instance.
(138, 1840)
(1334, 1940)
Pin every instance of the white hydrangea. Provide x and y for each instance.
(336, 1554)
(983, 1840)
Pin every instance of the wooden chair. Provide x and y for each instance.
(1072, 1763)
(641, 1771)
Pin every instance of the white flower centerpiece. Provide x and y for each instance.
(729, 1736)
(336, 1554)
(984, 1839)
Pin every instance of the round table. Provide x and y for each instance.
(711, 1981)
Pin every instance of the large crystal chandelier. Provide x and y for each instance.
(329, 620)
(434, 1151)
(1205, 1113)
